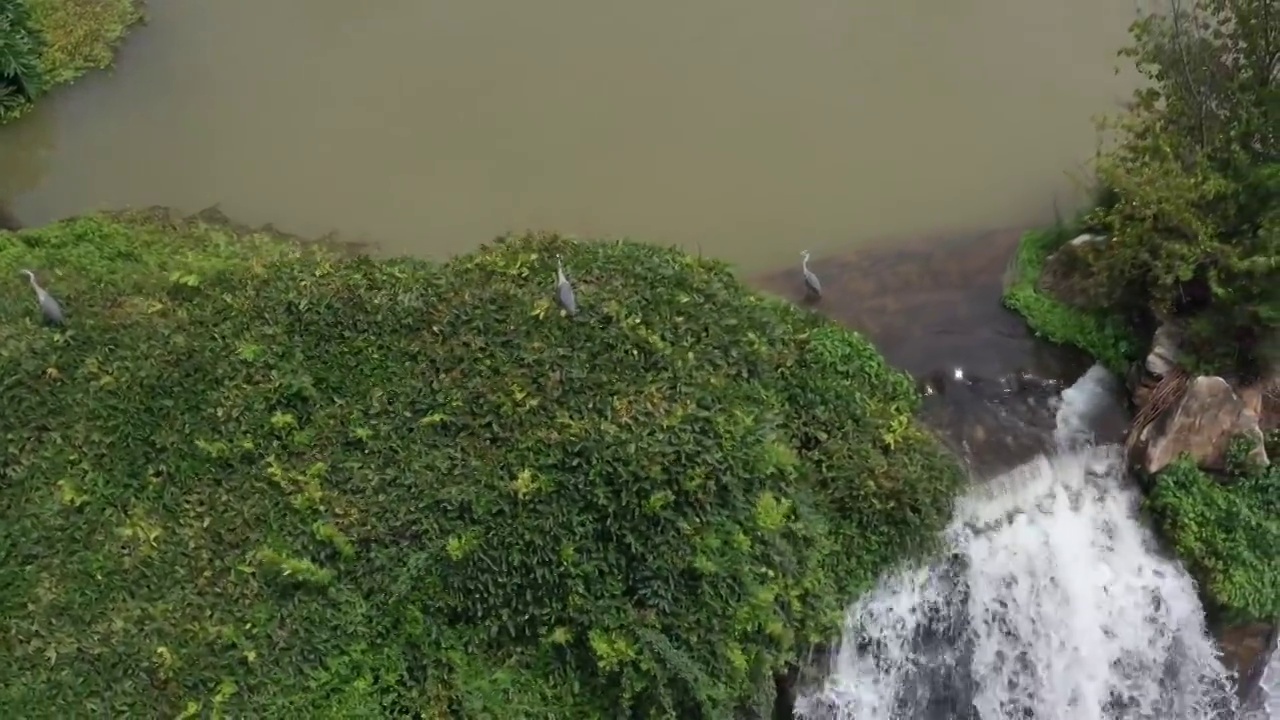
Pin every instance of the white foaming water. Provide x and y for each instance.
(1053, 603)
(1271, 683)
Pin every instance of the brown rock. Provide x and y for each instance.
(1202, 424)
(1246, 650)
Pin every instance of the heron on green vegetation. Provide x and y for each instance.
(812, 286)
(564, 291)
(49, 307)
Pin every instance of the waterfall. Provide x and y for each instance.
(1051, 601)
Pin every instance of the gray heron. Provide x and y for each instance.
(812, 285)
(564, 291)
(49, 307)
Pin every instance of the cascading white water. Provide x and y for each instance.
(1053, 602)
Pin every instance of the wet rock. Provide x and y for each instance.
(804, 678)
(1066, 273)
(1246, 650)
(1201, 423)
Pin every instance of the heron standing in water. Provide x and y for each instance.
(813, 287)
(49, 307)
(564, 291)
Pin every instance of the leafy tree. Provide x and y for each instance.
(252, 479)
(1194, 182)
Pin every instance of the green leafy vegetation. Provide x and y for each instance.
(46, 43)
(1227, 534)
(20, 48)
(259, 479)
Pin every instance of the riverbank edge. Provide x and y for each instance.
(1104, 337)
(800, 664)
(1225, 533)
(74, 38)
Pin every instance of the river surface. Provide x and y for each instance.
(749, 129)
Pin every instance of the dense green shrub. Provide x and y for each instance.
(1195, 180)
(1227, 534)
(20, 48)
(262, 480)
(1103, 333)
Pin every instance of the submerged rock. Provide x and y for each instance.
(1202, 424)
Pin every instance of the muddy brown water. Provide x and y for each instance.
(750, 129)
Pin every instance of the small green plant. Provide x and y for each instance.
(295, 569)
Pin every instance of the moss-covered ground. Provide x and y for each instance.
(260, 479)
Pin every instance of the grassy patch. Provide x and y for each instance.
(262, 480)
(1228, 535)
(80, 35)
(1106, 337)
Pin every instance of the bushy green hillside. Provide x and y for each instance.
(261, 480)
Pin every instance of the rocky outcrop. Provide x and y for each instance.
(1201, 423)
(1064, 273)
(1246, 650)
(1199, 416)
